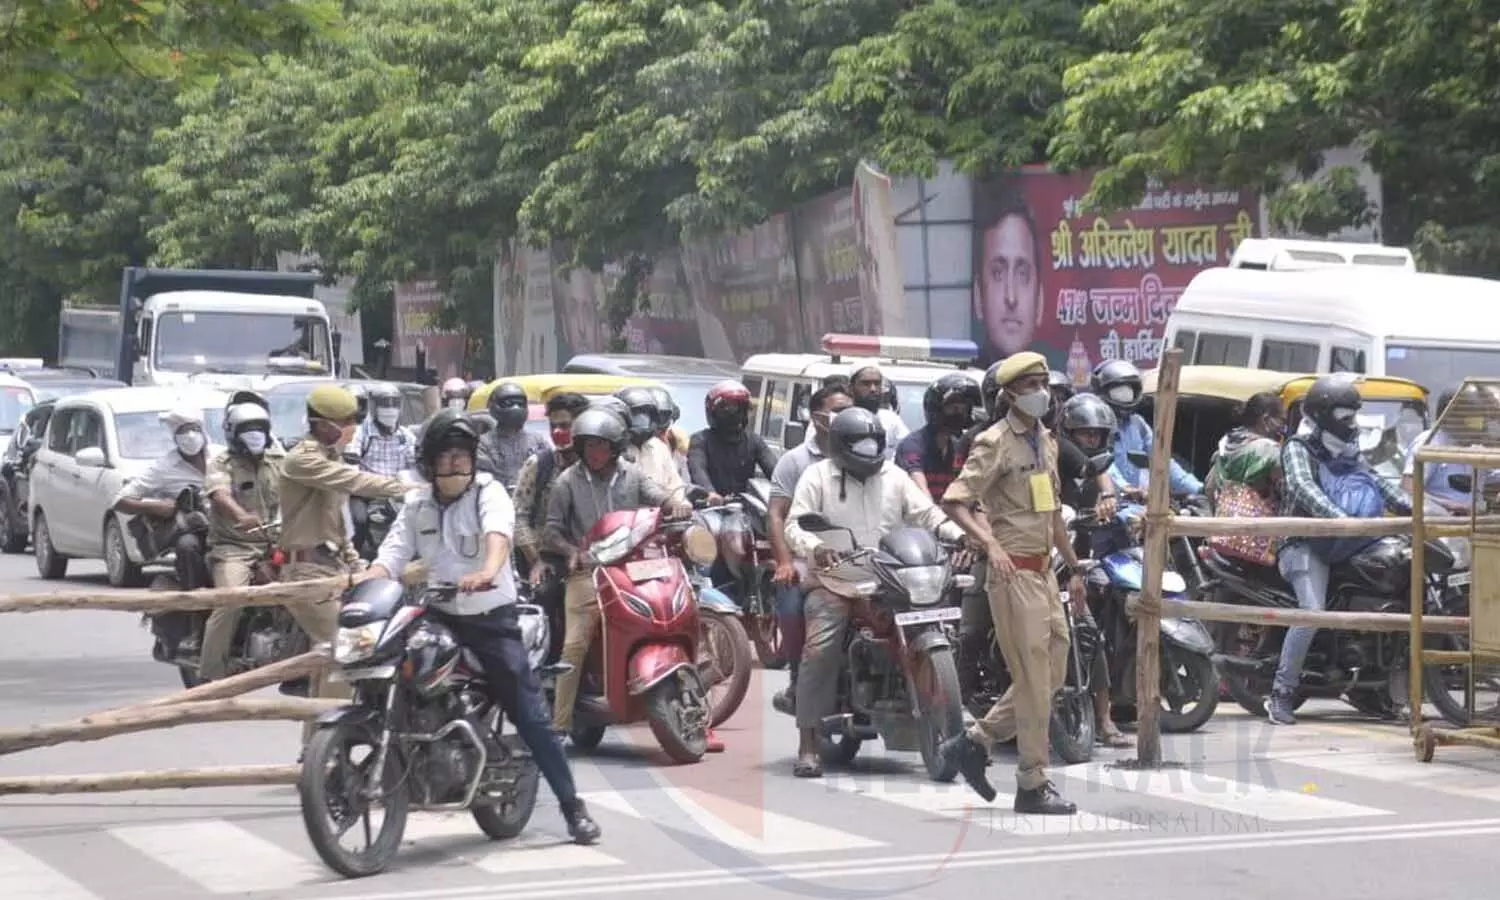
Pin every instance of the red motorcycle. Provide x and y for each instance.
(643, 666)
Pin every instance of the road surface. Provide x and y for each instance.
(1331, 808)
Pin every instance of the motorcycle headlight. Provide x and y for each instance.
(1172, 583)
(698, 545)
(350, 645)
(924, 584)
(1459, 548)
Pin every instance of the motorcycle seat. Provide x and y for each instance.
(1267, 577)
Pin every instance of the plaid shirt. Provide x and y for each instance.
(386, 454)
(1302, 494)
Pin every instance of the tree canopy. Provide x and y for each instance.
(402, 138)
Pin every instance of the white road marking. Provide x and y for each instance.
(534, 850)
(24, 877)
(957, 802)
(1474, 779)
(1250, 800)
(222, 857)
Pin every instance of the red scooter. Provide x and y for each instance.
(643, 665)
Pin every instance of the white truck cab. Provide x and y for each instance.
(781, 383)
(226, 340)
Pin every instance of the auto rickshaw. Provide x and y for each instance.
(536, 386)
(1209, 399)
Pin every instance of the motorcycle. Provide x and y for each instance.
(1368, 670)
(379, 517)
(741, 527)
(644, 665)
(179, 633)
(1071, 730)
(432, 735)
(900, 682)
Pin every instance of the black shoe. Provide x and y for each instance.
(966, 753)
(1043, 801)
(581, 826)
(785, 701)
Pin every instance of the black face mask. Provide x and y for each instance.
(727, 423)
(956, 421)
(869, 402)
(510, 418)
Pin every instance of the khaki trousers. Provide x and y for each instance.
(581, 612)
(321, 622)
(1031, 628)
(229, 570)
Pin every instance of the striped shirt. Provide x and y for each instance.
(921, 451)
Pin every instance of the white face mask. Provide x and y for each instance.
(254, 442)
(458, 403)
(1034, 404)
(189, 443)
(1122, 393)
(387, 416)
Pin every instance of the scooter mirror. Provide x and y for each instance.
(1138, 459)
(814, 522)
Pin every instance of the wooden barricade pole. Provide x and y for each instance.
(1158, 521)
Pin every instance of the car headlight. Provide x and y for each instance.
(350, 645)
(923, 583)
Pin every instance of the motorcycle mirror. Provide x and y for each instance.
(814, 522)
(1099, 463)
(1464, 484)
(1138, 459)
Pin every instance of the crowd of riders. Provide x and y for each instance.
(500, 509)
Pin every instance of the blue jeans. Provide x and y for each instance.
(789, 600)
(1308, 576)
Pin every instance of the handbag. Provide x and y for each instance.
(1235, 499)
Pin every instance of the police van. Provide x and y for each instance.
(782, 383)
(1433, 329)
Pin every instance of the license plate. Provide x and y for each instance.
(922, 616)
(647, 569)
(1460, 579)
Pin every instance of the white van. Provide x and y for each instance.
(1286, 255)
(782, 383)
(1433, 329)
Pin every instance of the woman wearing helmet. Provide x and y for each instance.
(242, 486)
(455, 394)
(602, 480)
(723, 457)
(856, 488)
(460, 524)
(651, 453)
(1118, 382)
(504, 450)
(930, 454)
(1325, 477)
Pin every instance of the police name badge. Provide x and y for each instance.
(1043, 497)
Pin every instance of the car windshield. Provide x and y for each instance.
(238, 343)
(1439, 368)
(143, 436)
(14, 402)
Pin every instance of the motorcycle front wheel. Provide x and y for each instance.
(724, 650)
(332, 790)
(677, 709)
(1189, 691)
(941, 703)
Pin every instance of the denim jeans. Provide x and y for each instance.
(789, 600)
(1308, 576)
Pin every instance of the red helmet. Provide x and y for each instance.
(727, 402)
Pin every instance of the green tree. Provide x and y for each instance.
(1235, 93)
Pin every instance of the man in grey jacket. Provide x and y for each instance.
(506, 448)
(600, 482)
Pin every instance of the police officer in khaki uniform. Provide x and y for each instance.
(315, 483)
(1011, 473)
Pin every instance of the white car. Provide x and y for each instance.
(96, 442)
(16, 397)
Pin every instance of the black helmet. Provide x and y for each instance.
(947, 389)
(1110, 380)
(856, 440)
(1331, 403)
(666, 408)
(508, 404)
(989, 389)
(448, 429)
(601, 424)
(642, 413)
(1088, 411)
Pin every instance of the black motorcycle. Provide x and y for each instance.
(421, 732)
(178, 633)
(741, 528)
(900, 679)
(380, 515)
(1369, 670)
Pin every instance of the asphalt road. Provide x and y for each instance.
(1331, 808)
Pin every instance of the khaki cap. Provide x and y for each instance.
(331, 402)
(1017, 365)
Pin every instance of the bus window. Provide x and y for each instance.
(1222, 350)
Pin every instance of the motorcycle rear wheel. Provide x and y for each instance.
(1199, 673)
(770, 649)
(1072, 728)
(728, 645)
(678, 712)
(501, 821)
(330, 746)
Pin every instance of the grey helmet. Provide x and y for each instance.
(614, 406)
(600, 423)
(666, 407)
(856, 441)
(383, 395)
(1332, 403)
(642, 413)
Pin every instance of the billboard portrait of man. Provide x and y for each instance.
(1008, 303)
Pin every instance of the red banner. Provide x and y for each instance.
(1081, 288)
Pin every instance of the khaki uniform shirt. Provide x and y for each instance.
(315, 482)
(254, 484)
(997, 477)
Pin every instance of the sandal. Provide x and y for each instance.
(807, 768)
(1116, 739)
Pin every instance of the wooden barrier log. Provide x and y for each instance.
(281, 593)
(130, 721)
(1283, 617)
(1154, 561)
(236, 776)
(1276, 526)
(243, 683)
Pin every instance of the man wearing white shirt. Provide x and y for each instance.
(856, 488)
(867, 387)
(461, 524)
(153, 496)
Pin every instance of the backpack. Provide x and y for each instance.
(1353, 488)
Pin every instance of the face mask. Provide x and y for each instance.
(189, 443)
(726, 423)
(452, 485)
(869, 447)
(510, 418)
(562, 438)
(458, 403)
(254, 442)
(1122, 393)
(1034, 404)
(869, 402)
(387, 416)
(1338, 446)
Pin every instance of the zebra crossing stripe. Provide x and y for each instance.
(24, 877)
(221, 857)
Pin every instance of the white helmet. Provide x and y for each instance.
(242, 415)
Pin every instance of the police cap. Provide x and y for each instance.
(331, 402)
(1021, 364)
